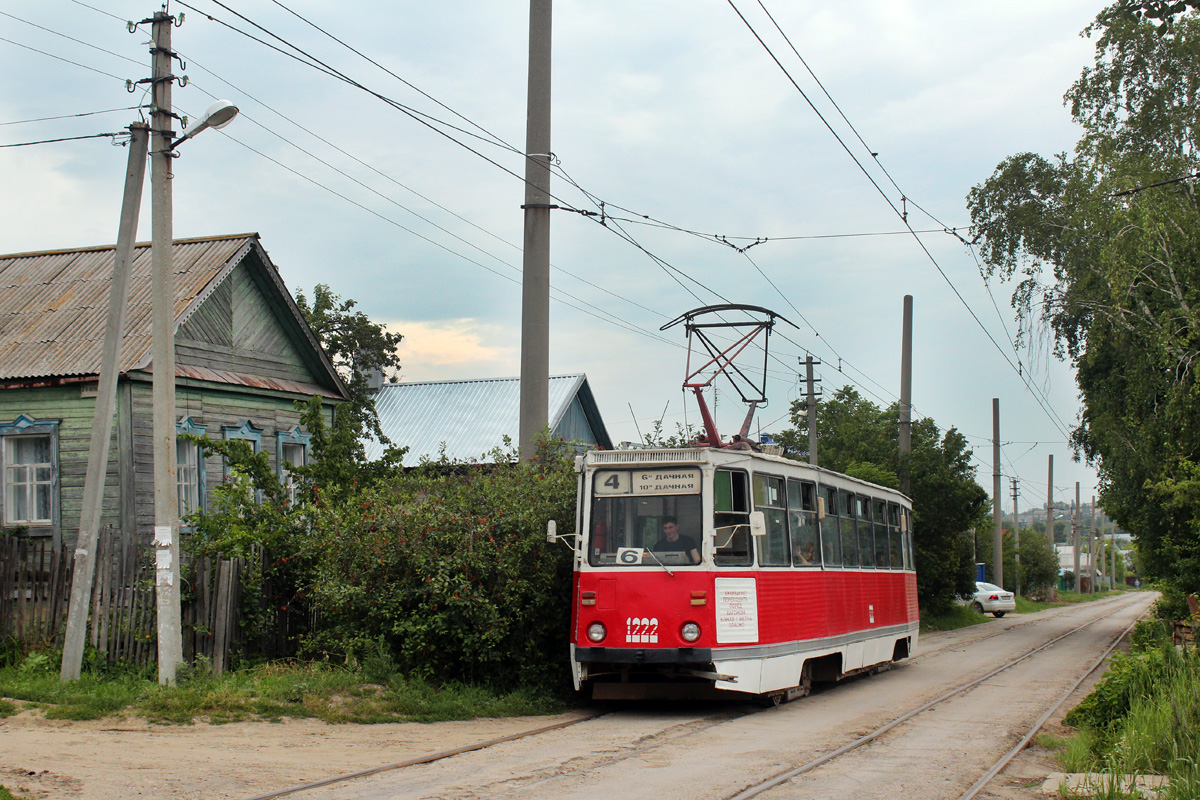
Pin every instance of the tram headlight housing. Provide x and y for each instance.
(596, 632)
(690, 631)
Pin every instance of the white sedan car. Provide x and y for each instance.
(991, 599)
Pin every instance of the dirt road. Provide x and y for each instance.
(667, 751)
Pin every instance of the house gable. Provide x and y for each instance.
(247, 324)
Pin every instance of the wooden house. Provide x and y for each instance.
(244, 356)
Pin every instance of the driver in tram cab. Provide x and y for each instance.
(672, 541)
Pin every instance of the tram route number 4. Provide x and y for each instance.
(641, 630)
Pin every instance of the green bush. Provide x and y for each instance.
(449, 571)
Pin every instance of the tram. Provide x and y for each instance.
(721, 570)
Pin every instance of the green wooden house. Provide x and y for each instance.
(244, 356)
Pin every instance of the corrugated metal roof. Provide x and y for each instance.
(470, 417)
(54, 305)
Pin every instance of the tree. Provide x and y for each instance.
(1102, 246)
(857, 437)
(357, 347)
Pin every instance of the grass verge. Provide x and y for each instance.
(1143, 718)
(267, 692)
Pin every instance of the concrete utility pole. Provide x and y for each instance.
(1092, 568)
(1112, 542)
(906, 393)
(1050, 505)
(1016, 536)
(809, 363)
(997, 514)
(106, 401)
(535, 287)
(1076, 513)
(162, 291)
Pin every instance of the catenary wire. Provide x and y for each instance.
(68, 139)
(60, 58)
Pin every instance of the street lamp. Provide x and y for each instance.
(216, 116)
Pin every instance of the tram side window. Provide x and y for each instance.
(895, 541)
(802, 521)
(731, 518)
(849, 537)
(831, 534)
(866, 536)
(906, 522)
(879, 523)
(770, 499)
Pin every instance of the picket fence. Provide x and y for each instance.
(35, 589)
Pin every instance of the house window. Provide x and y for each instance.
(189, 468)
(293, 452)
(247, 433)
(29, 473)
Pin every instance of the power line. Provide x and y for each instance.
(60, 58)
(67, 139)
(69, 116)
(71, 38)
(903, 215)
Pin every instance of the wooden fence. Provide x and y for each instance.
(35, 589)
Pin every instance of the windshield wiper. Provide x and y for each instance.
(657, 561)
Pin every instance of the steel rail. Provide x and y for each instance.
(1037, 726)
(786, 775)
(426, 759)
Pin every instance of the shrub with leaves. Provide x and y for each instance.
(451, 569)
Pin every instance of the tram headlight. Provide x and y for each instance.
(690, 631)
(596, 632)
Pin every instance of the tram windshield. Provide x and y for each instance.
(645, 517)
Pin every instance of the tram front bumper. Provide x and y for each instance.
(637, 655)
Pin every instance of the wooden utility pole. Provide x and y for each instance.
(106, 401)
(535, 286)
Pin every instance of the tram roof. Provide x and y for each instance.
(761, 462)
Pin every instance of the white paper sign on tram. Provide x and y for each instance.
(673, 481)
(737, 610)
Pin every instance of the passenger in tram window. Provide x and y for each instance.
(599, 538)
(672, 541)
(806, 554)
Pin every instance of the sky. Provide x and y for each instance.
(671, 114)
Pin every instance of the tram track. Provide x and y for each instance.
(780, 778)
(578, 767)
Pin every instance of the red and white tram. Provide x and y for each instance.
(718, 569)
(804, 574)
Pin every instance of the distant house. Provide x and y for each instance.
(244, 355)
(468, 418)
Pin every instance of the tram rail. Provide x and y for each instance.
(714, 721)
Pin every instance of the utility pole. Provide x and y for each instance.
(1092, 545)
(997, 514)
(535, 286)
(1050, 505)
(1016, 537)
(1076, 513)
(106, 400)
(811, 413)
(1112, 542)
(162, 290)
(906, 394)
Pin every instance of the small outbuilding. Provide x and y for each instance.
(466, 419)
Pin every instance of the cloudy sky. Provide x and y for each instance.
(671, 109)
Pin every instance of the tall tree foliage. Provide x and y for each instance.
(1103, 248)
(857, 437)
